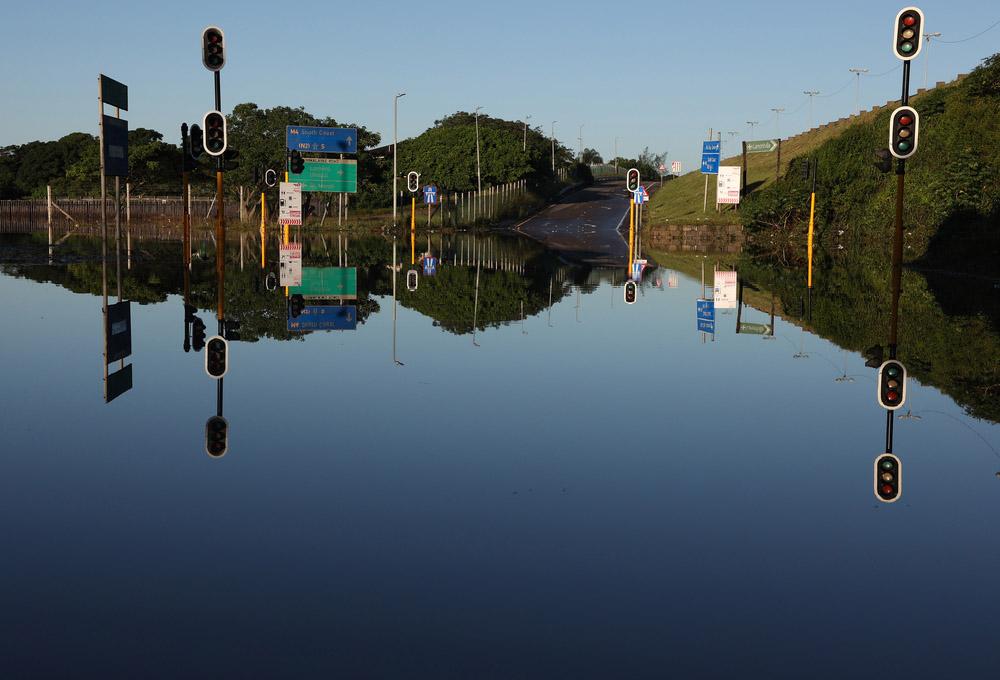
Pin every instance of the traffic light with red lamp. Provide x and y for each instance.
(891, 385)
(216, 436)
(630, 292)
(214, 124)
(217, 357)
(907, 38)
(295, 163)
(903, 132)
(632, 180)
(888, 478)
(213, 48)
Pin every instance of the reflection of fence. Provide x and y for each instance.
(32, 214)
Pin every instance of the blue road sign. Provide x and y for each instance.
(321, 139)
(430, 194)
(325, 318)
(640, 196)
(706, 326)
(705, 312)
(711, 152)
(711, 147)
(430, 266)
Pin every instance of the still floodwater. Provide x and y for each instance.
(599, 491)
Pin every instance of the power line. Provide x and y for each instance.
(885, 73)
(833, 94)
(971, 37)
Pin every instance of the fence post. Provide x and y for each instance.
(128, 203)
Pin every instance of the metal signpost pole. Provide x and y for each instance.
(220, 221)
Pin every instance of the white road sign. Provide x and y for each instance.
(728, 184)
(290, 264)
(290, 204)
(725, 289)
(675, 167)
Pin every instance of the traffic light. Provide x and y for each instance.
(630, 291)
(907, 37)
(296, 305)
(216, 436)
(198, 339)
(891, 385)
(903, 131)
(213, 48)
(874, 356)
(197, 142)
(888, 478)
(296, 164)
(217, 357)
(412, 279)
(214, 124)
(229, 160)
(883, 160)
(413, 182)
(632, 180)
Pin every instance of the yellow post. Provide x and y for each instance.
(812, 212)
(263, 228)
(631, 235)
(413, 229)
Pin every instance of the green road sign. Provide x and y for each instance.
(114, 93)
(327, 283)
(762, 146)
(329, 174)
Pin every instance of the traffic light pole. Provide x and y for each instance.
(220, 223)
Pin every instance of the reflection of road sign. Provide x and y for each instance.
(755, 328)
(118, 384)
(411, 280)
(321, 139)
(727, 187)
(118, 331)
(290, 264)
(336, 175)
(705, 314)
(430, 266)
(329, 283)
(290, 203)
(672, 280)
(325, 318)
(762, 146)
(675, 167)
(430, 194)
(725, 289)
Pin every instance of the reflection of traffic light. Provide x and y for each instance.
(296, 164)
(412, 280)
(888, 478)
(630, 291)
(229, 160)
(216, 436)
(883, 160)
(213, 48)
(903, 129)
(215, 133)
(891, 385)
(906, 38)
(632, 180)
(197, 142)
(413, 182)
(296, 304)
(217, 357)
(198, 341)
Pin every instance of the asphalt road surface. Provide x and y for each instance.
(583, 226)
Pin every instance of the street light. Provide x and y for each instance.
(580, 138)
(395, 143)
(777, 121)
(927, 38)
(616, 156)
(752, 123)
(810, 94)
(479, 175)
(554, 146)
(857, 90)
(524, 144)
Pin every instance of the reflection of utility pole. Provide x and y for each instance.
(475, 312)
(550, 302)
(395, 360)
(578, 304)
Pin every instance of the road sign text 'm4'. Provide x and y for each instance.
(321, 139)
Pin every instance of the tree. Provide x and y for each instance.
(592, 157)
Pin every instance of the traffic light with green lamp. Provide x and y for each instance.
(632, 180)
(296, 164)
(216, 436)
(630, 292)
(907, 37)
(903, 132)
(888, 478)
(217, 357)
(213, 48)
(214, 124)
(891, 385)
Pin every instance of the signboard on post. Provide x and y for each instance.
(725, 292)
(290, 203)
(290, 264)
(705, 314)
(430, 266)
(762, 146)
(675, 167)
(334, 175)
(321, 139)
(430, 194)
(118, 331)
(114, 93)
(727, 187)
(325, 318)
(710, 155)
(115, 149)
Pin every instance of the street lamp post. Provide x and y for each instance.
(479, 175)
(752, 123)
(810, 94)
(857, 89)
(777, 121)
(616, 156)
(524, 144)
(395, 143)
(580, 138)
(554, 146)
(927, 56)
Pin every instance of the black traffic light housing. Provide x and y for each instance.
(198, 339)
(296, 164)
(214, 124)
(632, 180)
(630, 292)
(213, 48)
(907, 36)
(903, 132)
(891, 385)
(216, 436)
(296, 305)
(412, 280)
(883, 160)
(217, 357)
(197, 142)
(413, 182)
(888, 478)
(229, 160)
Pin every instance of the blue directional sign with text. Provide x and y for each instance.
(705, 312)
(710, 154)
(321, 139)
(325, 318)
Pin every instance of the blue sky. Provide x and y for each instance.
(658, 75)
